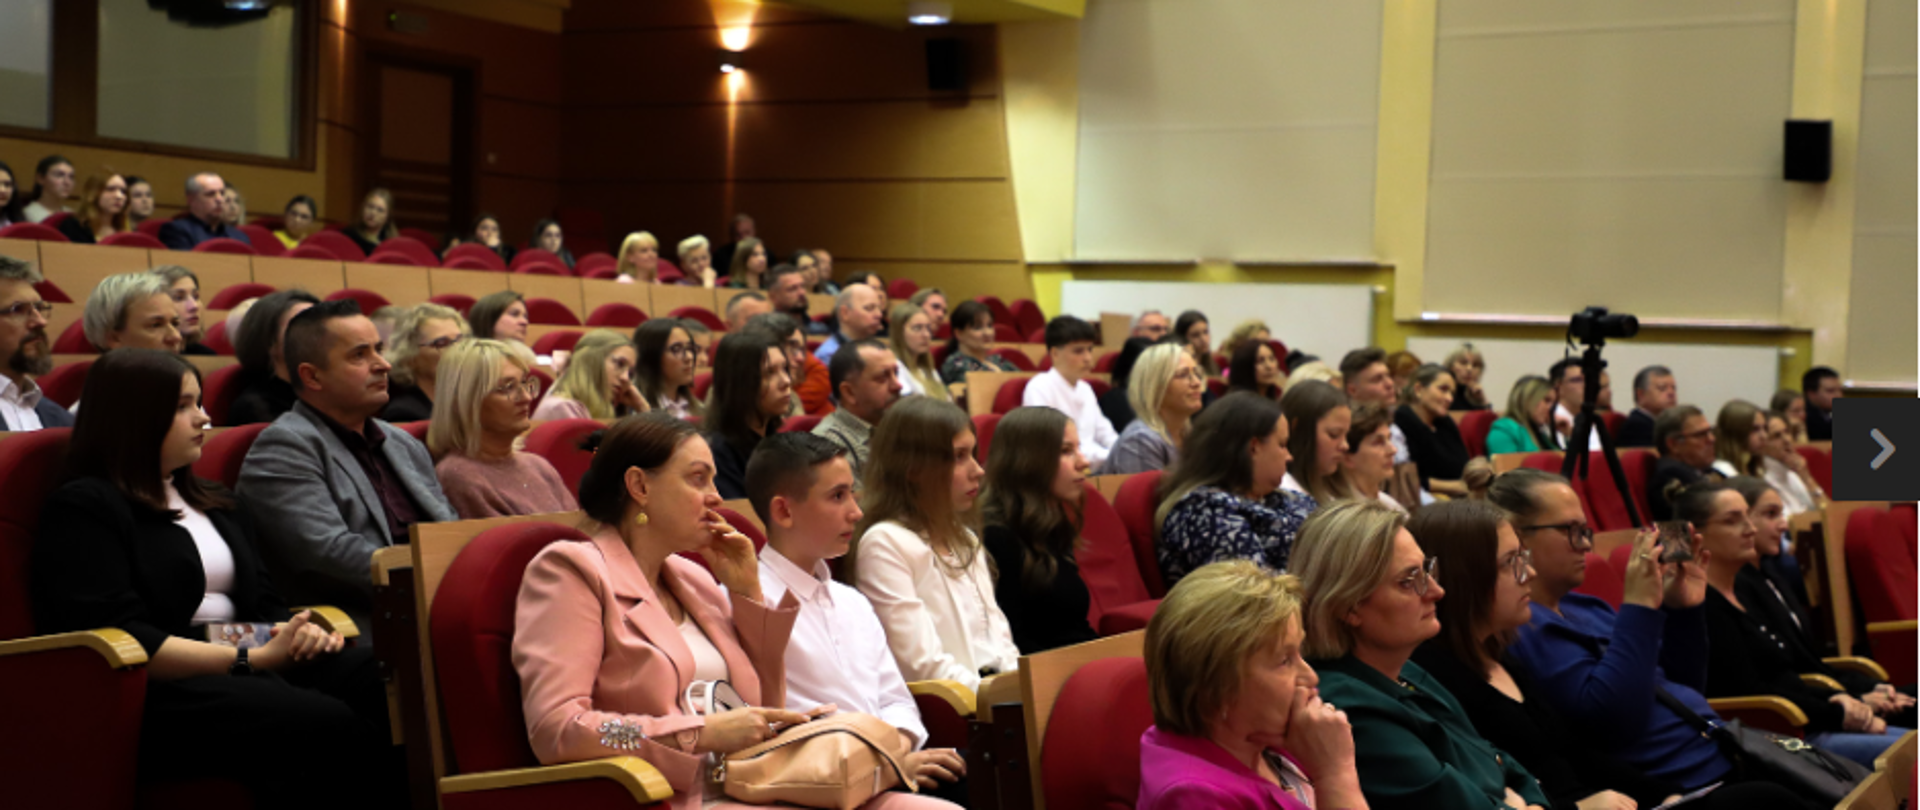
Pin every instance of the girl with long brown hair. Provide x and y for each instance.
(1033, 510)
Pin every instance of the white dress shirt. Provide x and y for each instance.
(941, 624)
(17, 405)
(1794, 494)
(1593, 439)
(838, 652)
(1050, 390)
(909, 386)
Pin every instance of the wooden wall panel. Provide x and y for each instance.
(466, 282)
(312, 275)
(959, 280)
(401, 286)
(596, 292)
(519, 138)
(518, 202)
(513, 62)
(79, 268)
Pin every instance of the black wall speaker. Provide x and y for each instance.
(1809, 152)
(946, 65)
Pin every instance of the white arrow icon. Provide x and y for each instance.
(1886, 449)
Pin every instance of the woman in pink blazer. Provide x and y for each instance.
(1237, 722)
(609, 634)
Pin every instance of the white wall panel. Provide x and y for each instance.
(1881, 316)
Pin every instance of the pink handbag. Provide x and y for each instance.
(839, 761)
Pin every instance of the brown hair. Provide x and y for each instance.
(1466, 534)
(1021, 466)
(647, 441)
(1304, 406)
(909, 476)
(90, 213)
(130, 396)
(1367, 419)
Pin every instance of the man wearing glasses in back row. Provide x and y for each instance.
(23, 341)
(1684, 439)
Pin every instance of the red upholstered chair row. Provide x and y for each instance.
(804, 423)
(700, 315)
(224, 245)
(478, 257)
(216, 339)
(1474, 427)
(231, 295)
(558, 442)
(550, 312)
(1138, 498)
(73, 340)
(1027, 318)
(1090, 756)
(51, 293)
(1119, 601)
(1819, 464)
(1603, 580)
(1010, 394)
(63, 384)
(1880, 566)
(616, 314)
(1001, 314)
(462, 304)
(1019, 359)
(133, 239)
(551, 342)
(33, 231)
(983, 427)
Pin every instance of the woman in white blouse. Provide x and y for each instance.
(1787, 470)
(915, 555)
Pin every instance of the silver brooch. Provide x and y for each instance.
(621, 735)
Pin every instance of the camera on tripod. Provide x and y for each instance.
(1595, 325)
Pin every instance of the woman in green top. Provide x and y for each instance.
(1528, 425)
(1370, 603)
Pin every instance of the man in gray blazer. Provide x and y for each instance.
(328, 484)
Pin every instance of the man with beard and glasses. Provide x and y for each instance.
(23, 341)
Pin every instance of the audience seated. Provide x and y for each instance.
(330, 483)
(823, 282)
(139, 199)
(837, 655)
(858, 313)
(1113, 403)
(1740, 435)
(1032, 507)
(1749, 656)
(184, 287)
(421, 336)
(639, 259)
(206, 215)
(738, 231)
(866, 382)
(134, 541)
(376, 223)
(1315, 370)
(597, 382)
(1527, 425)
(103, 211)
(910, 336)
(1222, 499)
(1791, 404)
(300, 218)
(1684, 439)
(748, 264)
(1164, 392)
(52, 188)
(486, 233)
(1400, 366)
(1486, 579)
(1237, 718)
(1253, 367)
(1820, 386)
(744, 306)
(915, 558)
(1654, 391)
(650, 621)
(500, 316)
(1367, 380)
(1604, 402)
(132, 310)
(236, 207)
(664, 368)
(787, 292)
(28, 352)
(812, 388)
(12, 199)
(933, 301)
(484, 408)
(1569, 383)
(1151, 324)
(871, 279)
(1064, 388)
(1252, 330)
(702, 343)
(971, 346)
(1467, 364)
(547, 236)
(696, 261)
(1192, 329)
(1367, 469)
(750, 394)
(1318, 419)
(1606, 671)
(266, 389)
(1434, 444)
(1787, 471)
(1371, 600)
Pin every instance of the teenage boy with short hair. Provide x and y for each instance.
(802, 488)
(1064, 387)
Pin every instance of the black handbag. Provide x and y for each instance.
(1790, 762)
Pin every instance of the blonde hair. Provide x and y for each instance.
(1243, 333)
(625, 267)
(106, 309)
(585, 380)
(1341, 555)
(1731, 434)
(920, 366)
(1312, 370)
(691, 244)
(1202, 636)
(1527, 392)
(1147, 385)
(404, 344)
(468, 372)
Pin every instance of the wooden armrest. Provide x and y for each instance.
(117, 646)
(640, 778)
(333, 619)
(1764, 703)
(1900, 626)
(389, 559)
(952, 692)
(1001, 688)
(1814, 679)
(1854, 663)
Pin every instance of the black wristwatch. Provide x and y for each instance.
(240, 665)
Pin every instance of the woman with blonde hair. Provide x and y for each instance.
(486, 403)
(1740, 439)
(696, 261)
(420, 338)
(1527, 425)
(915, 554)
(1237, 721)
(910, 336)
(1164, 390)
(376, 222)
(1467, 365)
(103, 211)
(639, 259)
(597, 383)
(1371, 602)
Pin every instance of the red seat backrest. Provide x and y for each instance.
(1904, 519)
(1105, 363)
(745, 525)
(31, 466)
(1106, 558)
(73, 340)
(1009, 395)
(231, 295)
(1474, 427)
(701, 315)
(1879, 566)
(901, 289)
(263, 240)
(34, 231)
(546, 384)
(1090, 757)
(1819, 464)
(393, 257)
(540, 269)
(558, 442)
(603, 272)
(478, 254)
(1138, 499)
(218, 391)
(368, 300)
(1617, 561)
(594, 260)
(983, 427)
(412, 248)
(64, 383)
(314, 252)
(151, 227)
(701, 382)
(1004, 332)
(1606, 505)
(616, 313)
(1638, 465)
(1549, 461)
(418, 430)
(472, 632)
(1001, 314)
(216, 339)
(1027, 317)
(135, 239)
(1602, 581)
(51, 293)
(1100, 387)
(225, 245)
(547, 344)
(803, 423)
(336, 243)
(1045, 364)
(534, 255)
(1019, 359)
(1613, 420)
(548, 312)
(223, 454)
(425, 238)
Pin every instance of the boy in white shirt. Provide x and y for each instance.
(1064, 387)
(801, 486)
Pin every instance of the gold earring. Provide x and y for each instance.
(640, 519)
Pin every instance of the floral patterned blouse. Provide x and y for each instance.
(959, 363)
(1210, 525)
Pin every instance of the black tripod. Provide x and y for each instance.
(1585, 423)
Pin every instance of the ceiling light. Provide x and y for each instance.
(731, 61)
(929, 12)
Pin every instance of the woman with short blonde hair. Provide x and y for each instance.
(132, 310)
(639, 259)
(696, 260)
(421, 336)
(1311, 370)
(485, 405)
(1467, 365)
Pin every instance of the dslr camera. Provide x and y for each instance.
(1596, 325)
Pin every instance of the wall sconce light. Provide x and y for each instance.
(929, 12)
(731, 61)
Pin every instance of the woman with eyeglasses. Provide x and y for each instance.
(420, 338)
(597, 383)
(1371, 601)
(664, 367)
(1163, 389)
(486, 404)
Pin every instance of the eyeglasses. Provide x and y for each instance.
(1703, 433)
(1421, 580)
(681, 349)
(20, 309)
(1579, 535)
(1186, 375)
(1522, 566)
(529, 386)
(442, 343)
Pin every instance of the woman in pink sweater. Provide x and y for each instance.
(484, 406)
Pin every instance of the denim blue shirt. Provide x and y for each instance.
(184, 233)
(1211, 524)
(1600, 668)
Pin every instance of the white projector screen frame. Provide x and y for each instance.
(1323, 319)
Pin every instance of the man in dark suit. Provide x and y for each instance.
(1821, 386)
(1684, 439)
(206, 215)
(1654, 391)
(23, 342)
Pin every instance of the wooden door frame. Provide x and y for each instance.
(466, 104)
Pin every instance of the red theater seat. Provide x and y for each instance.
(151, 227)
(218, 391)
(616, 314)
(478, 256)
(1819, 464)
(701, 315)
(1001, 314)
(425, 238)
(134, 239)
(1008, 397)
(901, 289)
(417, 430)
(1119, 599)
(64, 383)
(1882, 572)
(263, 240)
(231, 295)
(32, 230)
(1602, 580)
(1003, 332)
(314, 252)
(604, 272)
(548, 312)
(223, 454)
(73, 340)
(234, 246)
(1105, 363)
(368, 300)
(594, 261)
(1090, 757)
(1019, 359)
(558, 441)
(1139, 497)
(531, 255)
(385, 257)
(540, 269)
(216, 339)
(1474, 427)
(983, 427)
(551, 342)
(51, 293)
(804, 423)
(462, 304)
(336, 243)
(701, 382)
(1027, 317)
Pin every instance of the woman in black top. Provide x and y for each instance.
(376, 223)
(1032, 510)
(1433, 440)
(103, 211)
(750, 393)
(1485, 577)
(133, 541)
(266, 388)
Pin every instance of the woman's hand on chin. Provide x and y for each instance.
(732, 557)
